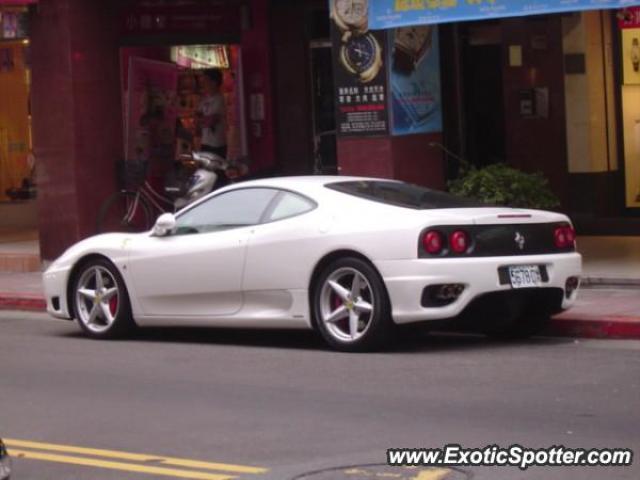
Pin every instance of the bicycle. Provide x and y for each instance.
(132, 208)
(135, 207)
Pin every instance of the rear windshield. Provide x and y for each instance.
(402, 194)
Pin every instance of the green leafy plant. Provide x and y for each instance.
(503, 185)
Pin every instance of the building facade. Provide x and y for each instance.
(114, 81)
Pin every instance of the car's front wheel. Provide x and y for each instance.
(351, 307)
(100, 300)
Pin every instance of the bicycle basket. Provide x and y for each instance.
(176, 182)
(131, 174)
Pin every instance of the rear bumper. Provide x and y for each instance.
(406, 279)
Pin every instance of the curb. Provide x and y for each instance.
(605, 282)
(613, 327)
(31, 303)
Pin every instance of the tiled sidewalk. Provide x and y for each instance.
(610, 260)
(19, 251)
(601, 313)
(21, 291)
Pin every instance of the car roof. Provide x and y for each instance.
(303, 184)
(305, 180)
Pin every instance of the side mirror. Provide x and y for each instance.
(165, 225)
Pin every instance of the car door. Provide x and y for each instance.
(198, 270)
(280, 249)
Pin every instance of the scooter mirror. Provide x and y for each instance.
(165, 225)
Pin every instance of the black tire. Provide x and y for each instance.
(120, 321)
(372, 330)
(113, 213)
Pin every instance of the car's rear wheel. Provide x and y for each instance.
(100, 300)
(350, 306)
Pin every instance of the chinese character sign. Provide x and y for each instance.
(398, 13)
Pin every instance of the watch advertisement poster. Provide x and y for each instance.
(404, 13)
(359, 74)
(414, 59)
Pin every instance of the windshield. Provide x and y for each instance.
(403, 194)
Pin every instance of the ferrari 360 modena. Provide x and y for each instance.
(349, 257)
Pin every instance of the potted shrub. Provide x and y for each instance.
(503, 185)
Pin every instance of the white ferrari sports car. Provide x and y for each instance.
(349, 257)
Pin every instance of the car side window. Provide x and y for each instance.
(237, 208)
(290, 204)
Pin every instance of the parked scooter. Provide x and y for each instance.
(210, 174)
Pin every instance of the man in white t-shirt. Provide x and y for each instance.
(213, 114)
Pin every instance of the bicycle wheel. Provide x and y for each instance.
(124, 211)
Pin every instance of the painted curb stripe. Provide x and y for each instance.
(17, 302)
(606, 327)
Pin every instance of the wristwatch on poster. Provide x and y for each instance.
(411, 45)
(350, 16)
(360, 52)
(361, 55)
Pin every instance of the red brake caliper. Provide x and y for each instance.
(336, 301)
(113, 304)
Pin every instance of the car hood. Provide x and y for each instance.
(112, 245)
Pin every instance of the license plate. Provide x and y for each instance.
(525, 276)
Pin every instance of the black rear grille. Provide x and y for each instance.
(502, 240)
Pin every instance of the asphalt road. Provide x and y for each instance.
(274, 405)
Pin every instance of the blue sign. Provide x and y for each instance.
(400, 13)
(414, 80)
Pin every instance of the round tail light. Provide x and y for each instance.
(459, 241)
(571, 236)
(433, 242)
(564, 237)
(560, 237)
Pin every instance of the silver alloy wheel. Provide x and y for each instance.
(97, 299)
(346, 304)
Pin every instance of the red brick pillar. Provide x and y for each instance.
(410, 158)
(77, 116)
(256, 70)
